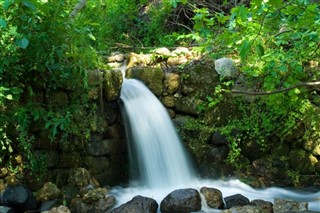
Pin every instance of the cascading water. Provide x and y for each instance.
(159, 161)
(155, 147)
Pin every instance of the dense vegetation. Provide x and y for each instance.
(43, 49)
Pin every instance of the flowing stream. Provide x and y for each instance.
(159, 163)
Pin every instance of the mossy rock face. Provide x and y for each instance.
(112, 84)
(199, 78)
(302, 161)
(188, 105)
(312, 145)
(151, 76)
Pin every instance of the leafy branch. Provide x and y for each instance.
(302, 84)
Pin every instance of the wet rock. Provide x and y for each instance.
(181, 200)
(266, 206)
(60, 209)
(49, 191)
(6, 209)
(20, 198)
(188, 105)
(104, 204)
(138, 204)
(236, 200)
(226, 68)
(96, 165)
(47, 205)
(213, 197)
(282, 205)
(244, 209)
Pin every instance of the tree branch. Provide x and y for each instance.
(77, 8)
(302, 84)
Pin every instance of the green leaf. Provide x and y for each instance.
(9, 97)
(245, 48)
(260, 50)
(7, 4)
(3, 23)
(29, 4)
(23, 43)
(91, 36)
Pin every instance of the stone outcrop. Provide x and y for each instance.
(181, 200)
(138, 204)
(213, 197)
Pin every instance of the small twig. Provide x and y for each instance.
(182, 25)
(302, 84)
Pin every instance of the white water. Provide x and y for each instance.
(158, 153)
(159, 162)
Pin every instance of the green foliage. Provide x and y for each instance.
(42, 51)
(273, 42)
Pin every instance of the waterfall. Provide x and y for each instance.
(159, 162)
(157, 156)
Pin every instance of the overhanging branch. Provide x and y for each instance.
(302, 84)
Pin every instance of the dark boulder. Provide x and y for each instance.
(138, 204)
(236, 200)
(181, 201)
(20, 198)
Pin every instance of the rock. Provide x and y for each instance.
(79, 177)
(94, 195)
(252, 150)
(60, 209)
(213, 197)
(302, 161)
(102, 148)
(70, 160)
(181, 200)
(313, 145)
(188, 105)
(217, 154)
(163, 51)
(244, 209)
(168, 101)
(139, 60)
(49, 191)
(20, 198)
(217, 139)
(116, 57)
(6, 209)
(47, 205)
(266, 206)
(138, 204)
(104, 204)
(151, 76)
(282, 205)
(112, 84)
(226, 68)
(236, 200)
(96, 165)
(171, 82)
